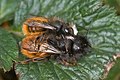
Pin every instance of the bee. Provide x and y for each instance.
(52, 38)
(39, 25)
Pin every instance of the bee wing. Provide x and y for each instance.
(42, 25)
(49, 49)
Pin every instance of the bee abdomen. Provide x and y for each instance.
(32, 26)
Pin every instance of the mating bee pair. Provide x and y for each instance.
(52, 38)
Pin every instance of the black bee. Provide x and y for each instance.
(53, 38)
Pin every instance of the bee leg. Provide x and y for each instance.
(19, 49)
(68, 46)
(25, 61)
(66, 60)
(62, 61)
(66, 63)
(48, 58)
(31, 60)
(38, 59)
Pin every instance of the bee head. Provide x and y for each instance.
(81, 44)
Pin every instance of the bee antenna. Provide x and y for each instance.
(86, 30)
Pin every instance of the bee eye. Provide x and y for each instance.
(71, 31)
(66, 30)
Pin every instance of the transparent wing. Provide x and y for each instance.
(41, 25)
(49, 49)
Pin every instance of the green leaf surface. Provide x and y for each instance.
(8, 49)
(26, 8)
(7, 9)
(103, 33)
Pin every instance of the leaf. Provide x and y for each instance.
(103, 26)
(103, 33)
(26, 9)
(7, 9)
(8, 49)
